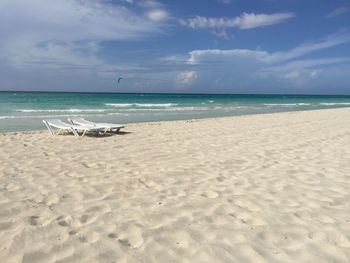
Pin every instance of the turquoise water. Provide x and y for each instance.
(25, 110)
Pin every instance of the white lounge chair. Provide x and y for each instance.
(102, 125)
(60, 125)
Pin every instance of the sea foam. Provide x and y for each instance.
(146, 105)
(60, 110)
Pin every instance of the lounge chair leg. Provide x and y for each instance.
(83, 134)
(49, 128)
(74, 132)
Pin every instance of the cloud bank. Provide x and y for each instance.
(244, 21)
(243, 68)
(67, 34)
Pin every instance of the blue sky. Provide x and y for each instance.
(205, 46)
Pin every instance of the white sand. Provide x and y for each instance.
(263, 188)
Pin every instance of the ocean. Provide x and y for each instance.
(20, 111)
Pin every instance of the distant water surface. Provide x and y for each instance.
(25, 110)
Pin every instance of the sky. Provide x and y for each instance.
(176, 46)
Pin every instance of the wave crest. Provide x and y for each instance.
(145, 105)
(60, 110)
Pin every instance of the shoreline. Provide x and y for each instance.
(188, 120)
(253, 188)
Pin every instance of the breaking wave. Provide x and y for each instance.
(60, 110)
(146, 105)
(287, 104)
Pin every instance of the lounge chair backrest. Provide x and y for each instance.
(81, 121)
(58, 123)
(106, 126)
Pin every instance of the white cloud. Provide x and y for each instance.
(245, 21)
(305, 63)
(247, 68)
(338, 11)
(299, 71)
(331, 41)
(221, 33)
(315, 73)
(174, 59)
(293, 75)
(53, 55)
(199, 56)
(299, 77)
(66, 33)
(157, 15)
(186, 77)
(71, 20)
(149, 4)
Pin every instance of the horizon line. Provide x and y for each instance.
(173, 93)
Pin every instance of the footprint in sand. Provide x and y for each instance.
(124, 242)
(210, 194)
(82, 238)
(64, 221)
(33, 220)
(112, 235)
(131, 236)
(221, 179)
(84, 219)
(72, 232)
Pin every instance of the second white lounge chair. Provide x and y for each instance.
(102, 125)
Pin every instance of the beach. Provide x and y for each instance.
(255, 188)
